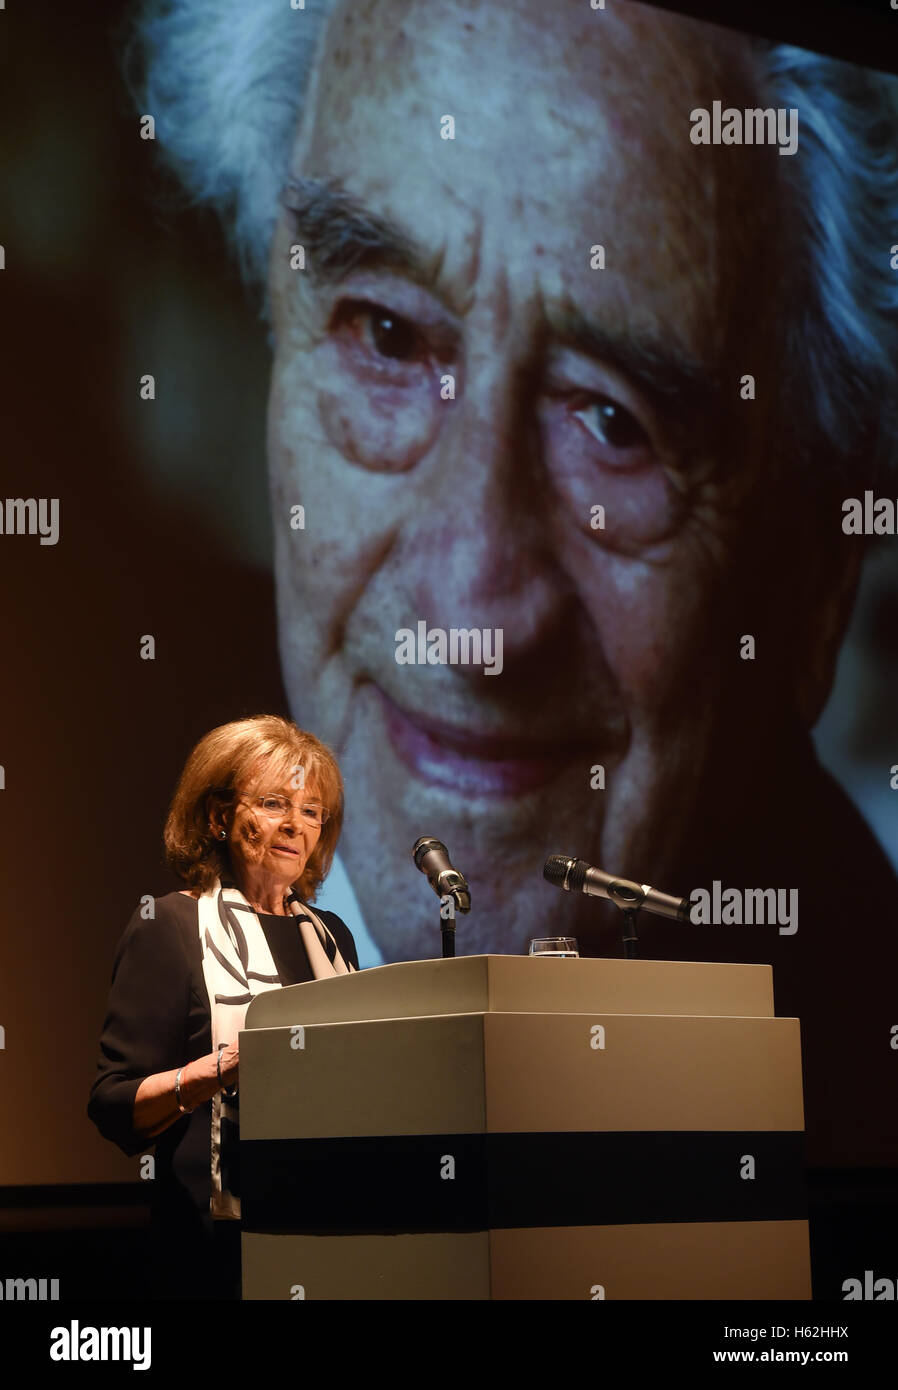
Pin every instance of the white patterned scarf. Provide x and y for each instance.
(237, 965)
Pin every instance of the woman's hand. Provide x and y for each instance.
(230, 1059)
(155, 1104)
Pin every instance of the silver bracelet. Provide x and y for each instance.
(184, 1109)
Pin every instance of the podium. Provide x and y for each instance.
(516, 1127)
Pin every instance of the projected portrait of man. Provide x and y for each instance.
(543, 365)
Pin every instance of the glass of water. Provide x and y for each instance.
(558, 946)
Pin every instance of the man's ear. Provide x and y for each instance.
(829, 592)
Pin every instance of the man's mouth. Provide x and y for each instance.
(471, 762)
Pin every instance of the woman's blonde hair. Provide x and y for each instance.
(257, 754)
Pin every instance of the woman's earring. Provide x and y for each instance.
(222, 834)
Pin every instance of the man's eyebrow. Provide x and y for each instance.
(669, 376)
(340, 235)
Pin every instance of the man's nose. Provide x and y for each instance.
(481, 552)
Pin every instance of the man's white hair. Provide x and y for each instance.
(225, 79)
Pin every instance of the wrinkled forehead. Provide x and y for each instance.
(511, 55)
(571, 127)
(281, 773)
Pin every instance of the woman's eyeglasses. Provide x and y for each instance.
(275, 806)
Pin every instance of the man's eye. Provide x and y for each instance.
(392, 336)
(611, 425)
(389, 334)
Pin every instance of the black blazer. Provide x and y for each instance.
(158, 1019)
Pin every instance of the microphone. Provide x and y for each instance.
(432, 858)
(576, 876)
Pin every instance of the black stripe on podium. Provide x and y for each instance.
(394, 1183)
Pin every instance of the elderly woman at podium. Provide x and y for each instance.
(252, 830)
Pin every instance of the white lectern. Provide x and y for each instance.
(518, 1127)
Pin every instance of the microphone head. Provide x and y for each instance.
(423, 846)
(556, 870)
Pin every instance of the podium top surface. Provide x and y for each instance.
(521, 984)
